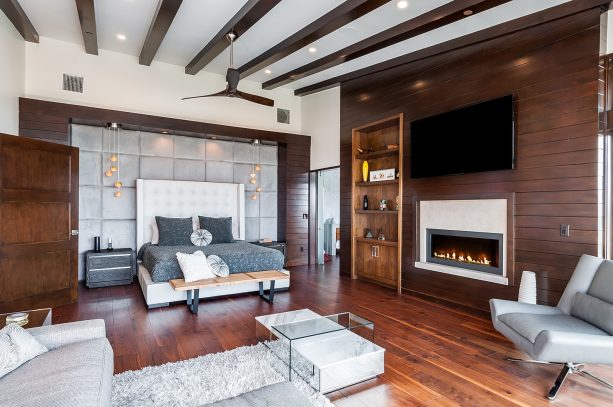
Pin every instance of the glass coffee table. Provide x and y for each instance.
(329, 352)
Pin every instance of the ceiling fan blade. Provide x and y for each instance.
(222, 93)
(255, 98)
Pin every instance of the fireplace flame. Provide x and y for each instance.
(463, 259)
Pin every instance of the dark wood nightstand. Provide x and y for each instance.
(280, 246)
(109, 267)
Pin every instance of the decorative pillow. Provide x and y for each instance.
(174, 231)
(590, 309)
(17, 346)
(194, 266)
(201, 237)
(218, 266)
(220, 228)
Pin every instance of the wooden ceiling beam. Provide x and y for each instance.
(431, 20)
(162, 19)
(13, 11)
(553, 13)
(242, 21)
(87, 18)
(344, 14)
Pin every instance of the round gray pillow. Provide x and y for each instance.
(218, 266)
(201, 237)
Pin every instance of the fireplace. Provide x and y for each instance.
(476, 251)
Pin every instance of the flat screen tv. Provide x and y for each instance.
(475, 138)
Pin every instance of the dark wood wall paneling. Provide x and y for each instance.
(50, 121)
(552, 70)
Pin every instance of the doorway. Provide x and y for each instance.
(328, 214)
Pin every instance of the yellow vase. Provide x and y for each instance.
(365, 171)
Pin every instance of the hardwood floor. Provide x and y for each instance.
(435, 354)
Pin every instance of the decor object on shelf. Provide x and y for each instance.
(397, 206)
(383, 204)
(381, 236)
(365, 203)
(218, 266)
(110, 244)
(527, 288)
(368, 234)
(392, 146)
(97, 243)
(232, 78)
(365, 171)
(201, 237)
(19, 318)
(361, 151)
(383, 175)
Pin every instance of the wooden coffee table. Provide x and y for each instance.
(36, 318)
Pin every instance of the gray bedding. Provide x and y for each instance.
(241, 257)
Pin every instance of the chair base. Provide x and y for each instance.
(567, 369)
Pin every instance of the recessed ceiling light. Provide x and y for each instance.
(312, 50)
(468, 12)
(402, 4)
(121, 37)
(267, 71)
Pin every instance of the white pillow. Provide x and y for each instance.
(194, 266)
(17, 346)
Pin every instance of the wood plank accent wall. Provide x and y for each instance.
(50, 121)
(552, 69)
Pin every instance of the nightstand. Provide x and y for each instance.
(280, 246)
(109, 267)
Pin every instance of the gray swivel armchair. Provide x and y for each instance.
(579, 330)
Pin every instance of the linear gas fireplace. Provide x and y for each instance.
(469, 250)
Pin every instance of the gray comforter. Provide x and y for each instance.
(241, 257)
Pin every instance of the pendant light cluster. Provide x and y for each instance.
(256, 168)
(113, 157)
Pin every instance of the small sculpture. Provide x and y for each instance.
(368, 234)
(381, 236)
(365, 171)
(383, 204)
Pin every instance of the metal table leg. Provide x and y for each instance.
(192, 300)
(271, 294)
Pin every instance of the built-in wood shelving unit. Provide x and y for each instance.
(377, 260)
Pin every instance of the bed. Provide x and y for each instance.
(158, 264)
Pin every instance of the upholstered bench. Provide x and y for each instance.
(193, 288)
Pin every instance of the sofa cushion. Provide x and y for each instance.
(17, 346)
(531, 325)
(76, 375)
(592, 310)
(603, 282)
(276, 395)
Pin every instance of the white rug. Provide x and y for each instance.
(206, 379)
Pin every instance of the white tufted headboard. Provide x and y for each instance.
(181, 199)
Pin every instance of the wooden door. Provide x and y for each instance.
(387, 265)
(39, 197)
(365, 262)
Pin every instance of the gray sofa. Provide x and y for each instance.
(77, 371)
(276, 395)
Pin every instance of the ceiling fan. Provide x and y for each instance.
(232, 78)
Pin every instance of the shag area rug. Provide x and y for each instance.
(206, 379)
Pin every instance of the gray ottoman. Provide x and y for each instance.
(276, 395)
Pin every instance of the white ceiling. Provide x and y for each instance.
(199, 20)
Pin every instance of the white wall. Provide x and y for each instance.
(12, 59)
(117, 81)
(321, 119)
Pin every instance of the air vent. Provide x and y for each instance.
(73, 83)
(283, 116)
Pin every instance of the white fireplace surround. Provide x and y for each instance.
(474, 215)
